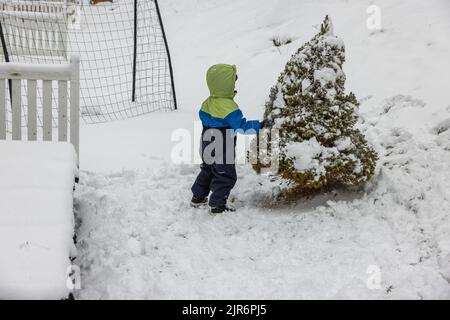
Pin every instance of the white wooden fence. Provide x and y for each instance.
(66, 76)
(58, 6)
(36, 28)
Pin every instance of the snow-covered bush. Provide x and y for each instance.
(320, 148)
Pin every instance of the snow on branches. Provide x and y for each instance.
(320, 146)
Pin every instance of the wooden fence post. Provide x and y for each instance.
(75, 103)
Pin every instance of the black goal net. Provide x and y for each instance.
(125, 67)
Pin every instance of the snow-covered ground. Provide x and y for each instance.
(36, 219)
(138, 237)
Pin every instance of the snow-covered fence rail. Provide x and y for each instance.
(65, 75)
(35, 28)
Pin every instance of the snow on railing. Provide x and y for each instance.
(63, 75)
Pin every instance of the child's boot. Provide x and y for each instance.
(222, 209)
(196, 202)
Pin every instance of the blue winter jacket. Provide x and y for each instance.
(220, 110)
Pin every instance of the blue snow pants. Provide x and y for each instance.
(217, 176)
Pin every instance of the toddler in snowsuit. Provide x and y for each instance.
(222, 120)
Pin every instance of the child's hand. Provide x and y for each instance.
(264, 124)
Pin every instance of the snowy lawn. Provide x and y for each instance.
(138, 237)
(36, 218)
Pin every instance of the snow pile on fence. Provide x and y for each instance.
(36, 218)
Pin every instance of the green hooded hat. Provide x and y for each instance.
(221, 79)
